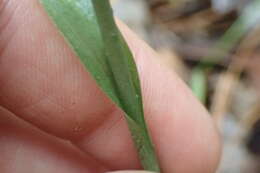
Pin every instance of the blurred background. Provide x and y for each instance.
(214, 46)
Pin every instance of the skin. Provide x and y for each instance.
(54, 118)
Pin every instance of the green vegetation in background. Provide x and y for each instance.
(90, 29)
(223, 46)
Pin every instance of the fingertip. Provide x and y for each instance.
(185, 136)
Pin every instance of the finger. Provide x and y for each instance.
(42, 81)
(73, 106)
(39, 74)
(185, 137)
(25, 149)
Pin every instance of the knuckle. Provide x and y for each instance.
(7, 13)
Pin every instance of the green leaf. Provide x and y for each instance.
(90, 29)
(198, 84)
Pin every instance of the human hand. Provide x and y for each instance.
(46, 92)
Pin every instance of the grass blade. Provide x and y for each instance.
(198, 84)
(90, 29)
